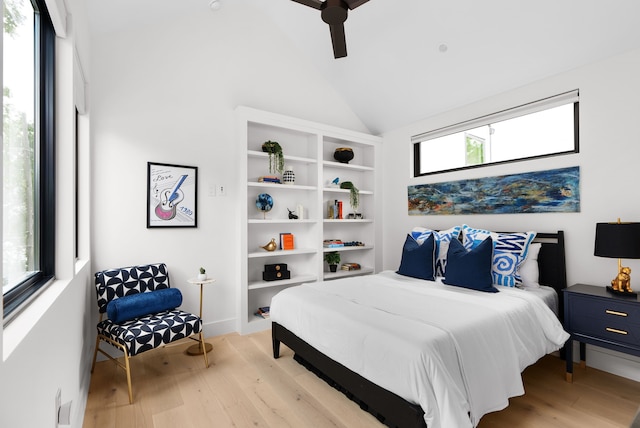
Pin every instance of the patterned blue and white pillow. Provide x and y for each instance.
(442, 238)
(509, 252)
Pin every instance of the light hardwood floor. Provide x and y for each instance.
(245, 387)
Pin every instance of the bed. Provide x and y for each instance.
(418, 353)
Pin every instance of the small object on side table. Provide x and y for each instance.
(197, 348)
(595, 316)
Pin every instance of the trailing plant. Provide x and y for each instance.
(354, 194)
(276, 157)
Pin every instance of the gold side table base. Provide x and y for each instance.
(197, 348)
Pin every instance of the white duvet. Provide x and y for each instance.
(457, 353)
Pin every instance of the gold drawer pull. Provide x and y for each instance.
(620, 314)
(615, 330)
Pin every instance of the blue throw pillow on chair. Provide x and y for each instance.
(470, 269)
(136, 305)
(418, 260)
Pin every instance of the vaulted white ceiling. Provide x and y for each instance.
(396, 71)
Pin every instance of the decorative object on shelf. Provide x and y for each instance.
(171, 195)
(268, 179)
(332, 258)
(300, 212)
(276, 156)
(289, 177)
(292, 215)
(264, 202)
(271, 246)
(202, 275)
(619, 240)
(334, 183)
(343, 154)
(354, 194)
(275, 272)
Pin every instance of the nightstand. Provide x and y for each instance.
(595, 316)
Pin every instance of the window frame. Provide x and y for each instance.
(518, 111)
(44, 121)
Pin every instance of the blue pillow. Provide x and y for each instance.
(417, 260)
(442, 239)
(510, 250)
(470, 269)
(140, 304)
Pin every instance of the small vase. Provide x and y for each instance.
(289, 177)
(202, 277)
(333, 268)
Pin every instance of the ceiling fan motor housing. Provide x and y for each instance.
(334, 12)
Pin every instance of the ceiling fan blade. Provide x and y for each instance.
(355, 3)
(316, 4)
(338, 40)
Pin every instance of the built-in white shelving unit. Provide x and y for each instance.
(308, 148)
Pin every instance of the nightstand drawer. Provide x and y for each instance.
(605, 318)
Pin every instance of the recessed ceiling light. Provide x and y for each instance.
(214, 4)
(443, 47)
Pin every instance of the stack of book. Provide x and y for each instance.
(263, 312)
(350, 266)
(332, 243)
(268, 179)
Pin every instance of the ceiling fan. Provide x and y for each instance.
(334, 13)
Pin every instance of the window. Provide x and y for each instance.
(28, 151)
(542, 128)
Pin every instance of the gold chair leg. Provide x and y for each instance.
(128, 370)
(204, 350)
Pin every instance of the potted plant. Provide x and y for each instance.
(354, 194)
(276, 157)
(332, 258)
(202, 275)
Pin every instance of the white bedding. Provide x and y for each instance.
(457, 353)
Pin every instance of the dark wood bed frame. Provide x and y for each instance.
(387, 407)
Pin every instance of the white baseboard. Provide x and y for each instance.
(614, 362)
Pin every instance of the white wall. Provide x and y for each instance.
(609, 149)
(166, 92)
(48, 345)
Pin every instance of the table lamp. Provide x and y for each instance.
(621, 241)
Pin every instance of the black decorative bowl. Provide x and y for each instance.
(343, 154)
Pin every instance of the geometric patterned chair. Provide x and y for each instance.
(142, 313)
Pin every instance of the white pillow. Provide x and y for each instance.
(528, 270)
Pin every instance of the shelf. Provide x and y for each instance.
(346, 273)
(298, 279)
(281, 186)
(351, 248)
(287, 158)
(338, 190)
(281, 253)
(347, 220)
(280, 221)
(308, 148)
(346, 166)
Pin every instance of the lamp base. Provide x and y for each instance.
(610, 289)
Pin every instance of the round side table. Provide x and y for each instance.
(197, 348)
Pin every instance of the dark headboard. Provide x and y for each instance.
(551, 263)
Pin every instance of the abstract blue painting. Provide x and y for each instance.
(554, 190)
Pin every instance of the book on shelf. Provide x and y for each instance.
(287, 241)
(268, 179)
(350, 266)
(332, 243)
(263, 312)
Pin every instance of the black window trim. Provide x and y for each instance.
(45, 165)
(416, 140)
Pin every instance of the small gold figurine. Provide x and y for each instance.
(271, 246)
(622, 281)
